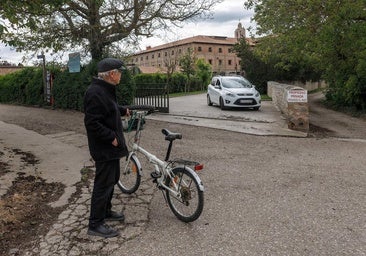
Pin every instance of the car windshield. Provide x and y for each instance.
(236, 82)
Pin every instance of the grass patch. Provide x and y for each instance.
(316, 90)
(265, 97)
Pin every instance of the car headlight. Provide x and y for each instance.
(257, 94)
(230, 94)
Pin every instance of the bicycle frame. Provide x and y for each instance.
(160, 166)
(181, 186)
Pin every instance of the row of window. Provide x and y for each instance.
(159, 55)
(220, 62)
(229, 62)
(199, 49)
(211, 50)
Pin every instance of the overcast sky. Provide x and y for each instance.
(224, 21)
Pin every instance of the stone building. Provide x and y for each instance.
(215, 50)
(4, 70)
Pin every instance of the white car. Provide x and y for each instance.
(233, 91)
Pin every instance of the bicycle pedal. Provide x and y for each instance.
(155, 175)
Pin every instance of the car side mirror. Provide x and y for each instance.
(217, 87)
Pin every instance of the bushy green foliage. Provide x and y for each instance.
(156, 78)
(263, 63)
(69, 88)
(22, 87)
(26, 87)
(312, 37)
(256, 71)
(126, 89)
(203, 73)
(177, 82)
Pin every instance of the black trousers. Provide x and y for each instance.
(106, 177)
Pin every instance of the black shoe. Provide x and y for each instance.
(112, 215)
(103, 230)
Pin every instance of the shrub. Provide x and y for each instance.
(22, 87)
(26, 87)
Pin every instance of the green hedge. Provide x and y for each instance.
(26, 87)
(178, 82)
(22, 87)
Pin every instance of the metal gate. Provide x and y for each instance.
(156, 95)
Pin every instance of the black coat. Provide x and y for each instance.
(103, 121)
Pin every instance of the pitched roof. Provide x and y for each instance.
(223, 40)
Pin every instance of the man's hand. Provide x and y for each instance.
(128, 112)
(115, 142)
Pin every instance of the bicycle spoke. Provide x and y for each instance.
(188, 205)
(130, 178)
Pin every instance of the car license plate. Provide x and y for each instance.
(245, 101)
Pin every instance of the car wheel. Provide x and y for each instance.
(256, 108)
(222, 105)
(209, 102)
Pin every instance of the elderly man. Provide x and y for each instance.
(106, 143)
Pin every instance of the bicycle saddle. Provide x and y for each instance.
(170, 136)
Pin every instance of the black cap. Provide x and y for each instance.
(109, 64)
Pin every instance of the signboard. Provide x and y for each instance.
(297, 95)
(74, 62)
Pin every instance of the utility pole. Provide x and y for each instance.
(42, 56)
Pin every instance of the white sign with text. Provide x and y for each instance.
(297, 95)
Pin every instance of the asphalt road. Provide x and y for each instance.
(264, 195)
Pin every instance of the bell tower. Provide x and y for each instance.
(240, 31)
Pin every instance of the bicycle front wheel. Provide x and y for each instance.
(188, 205)
(130, 177)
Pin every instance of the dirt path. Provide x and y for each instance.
(329, 123)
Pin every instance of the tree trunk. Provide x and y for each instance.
(96, 51)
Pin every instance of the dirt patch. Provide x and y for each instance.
(26, 157)
(25, 213)
(4, 167)
(319, 132)
(326, 122)
(24, 209)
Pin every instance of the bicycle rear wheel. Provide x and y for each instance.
(130, 177)
(188, 205)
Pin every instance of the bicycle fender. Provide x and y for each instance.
(195, 175)
(134, 156)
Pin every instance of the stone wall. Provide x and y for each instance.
(292, 102)
(8, 69)
(310, 86)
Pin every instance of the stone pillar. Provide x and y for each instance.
(298, 118)
(298, 109)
